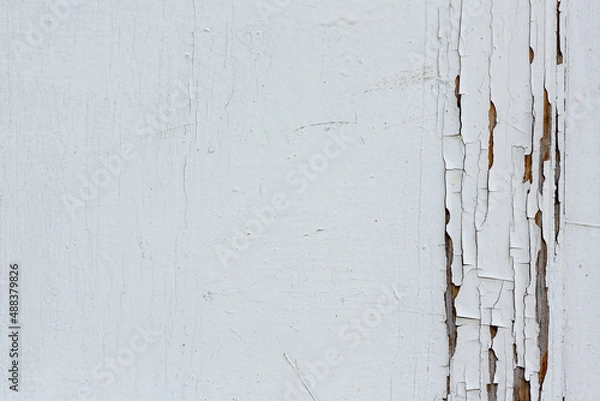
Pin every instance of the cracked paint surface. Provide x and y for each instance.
(317, 200)
(504, 137)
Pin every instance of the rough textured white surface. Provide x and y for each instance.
(250, 201)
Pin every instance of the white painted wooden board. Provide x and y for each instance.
(283, 200)
(581, 252)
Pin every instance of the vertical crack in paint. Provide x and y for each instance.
(451, 293)
(546, 140)
(522, 389)
(493, 116)
(531, 55)
(528, 172)
(457, 93)
(492, 386)
(542, 307)
(557, 175)
(559, 54)
(557, 153)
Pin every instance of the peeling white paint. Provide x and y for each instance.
(505, 254)
(309, 200)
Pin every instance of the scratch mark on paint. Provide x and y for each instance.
(297, 371)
